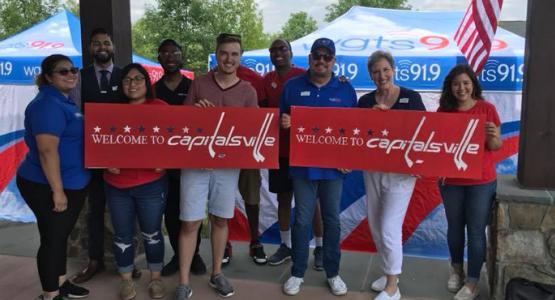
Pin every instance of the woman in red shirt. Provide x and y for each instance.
(137, 194)
(468, 202)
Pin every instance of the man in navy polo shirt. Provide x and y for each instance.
(318, 87)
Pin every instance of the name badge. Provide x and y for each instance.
(182, 94)
(404, 100)
(305, 93)
(103, 92)
(115, 88)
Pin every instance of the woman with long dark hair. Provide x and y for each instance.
(468, 202)
(137, 194)
(52, 178)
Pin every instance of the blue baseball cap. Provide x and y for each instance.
(323, 43)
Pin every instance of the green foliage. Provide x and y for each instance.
(72, 6)
(18, 15)
(342, 6)
(298, 25)
(195, 25)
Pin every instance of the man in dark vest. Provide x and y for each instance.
(173, 88)
(98, 83)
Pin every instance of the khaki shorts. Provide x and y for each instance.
(249, 186)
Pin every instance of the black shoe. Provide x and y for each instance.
(197, 265)
(136, 274)
(93, 267)
(57, 297)
(318, 259)
(282, 254)
(73, 291)
(171, 267)
(228, 253)
(257, 253)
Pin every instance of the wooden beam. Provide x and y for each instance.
(115, 17)
(536, 163)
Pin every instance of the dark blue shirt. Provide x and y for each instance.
(300, 91)
(407, 100)
(53, 113)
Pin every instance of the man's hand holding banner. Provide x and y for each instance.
(410, 142)
(156, 136)
(163, 136)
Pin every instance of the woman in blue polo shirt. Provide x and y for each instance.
(52, 178)
(388, 194)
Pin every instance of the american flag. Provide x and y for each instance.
(477, 31)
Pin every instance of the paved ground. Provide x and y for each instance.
(421, 279)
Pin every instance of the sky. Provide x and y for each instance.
(276, 12)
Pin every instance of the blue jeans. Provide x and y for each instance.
(146, 203)
(306, 192)
(468, 206)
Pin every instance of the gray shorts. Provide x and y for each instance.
(216, 187)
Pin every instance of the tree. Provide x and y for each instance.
(195, 24)
(17, 15)
(72, 6)
(342, 6)
(298, 25)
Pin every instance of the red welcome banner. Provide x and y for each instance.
(410, 142)
(163, 136)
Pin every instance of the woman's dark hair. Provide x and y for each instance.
(448, 101)
(377, 56)
(47, 67)
(141, 69)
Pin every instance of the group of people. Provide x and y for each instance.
(54, 183)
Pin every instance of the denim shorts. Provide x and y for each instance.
(217, 188)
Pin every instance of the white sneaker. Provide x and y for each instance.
(466, 294)
(383, 295)
(455, 281)
(292, 286)
(337, 286)
(379, 284)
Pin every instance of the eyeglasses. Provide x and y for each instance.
(137, 80)
(278, 48)
(166, 54)
(65, 71)
(318, 56)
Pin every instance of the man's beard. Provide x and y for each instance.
(99, 58)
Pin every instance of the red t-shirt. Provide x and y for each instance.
(481, 107)
(273, 85)
(134, 177)
(254, 79)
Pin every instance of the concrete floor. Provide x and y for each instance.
(421, 279)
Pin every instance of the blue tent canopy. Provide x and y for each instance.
(21, 54)
(421, 43)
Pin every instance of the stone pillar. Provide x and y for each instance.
(522, 236)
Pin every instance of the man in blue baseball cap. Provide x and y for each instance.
(318, 87)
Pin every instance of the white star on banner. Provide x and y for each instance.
(185, 129)
(300, 129)
(127, 129)
(156, 129)
(328, 130)
(385, 132)
(356, 131)
(97, 129)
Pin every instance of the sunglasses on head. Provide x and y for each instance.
(64, 72)
(318, 56)
(279, 48)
